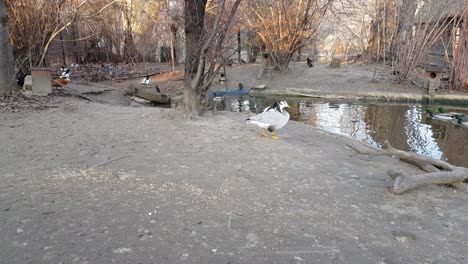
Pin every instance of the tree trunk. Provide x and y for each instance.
(204, 51)
(194, 22)
(192, 100)
(62, 46)
(130, 53)
(75, 44)
(194, 25)
(7, 68)
(239, 47)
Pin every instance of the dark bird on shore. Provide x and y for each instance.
(157, 89)
(241, 86)
(309, 62)
(146, 80)
(20, 76)
(63, 80)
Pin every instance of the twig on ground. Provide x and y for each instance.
(112, 160)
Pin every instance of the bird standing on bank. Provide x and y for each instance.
(64, 78)
(146, 80)
(272, 118)
(64, 73)
(20, 76)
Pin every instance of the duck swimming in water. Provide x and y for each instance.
(272, 118)
(441, 115)
(461, 120)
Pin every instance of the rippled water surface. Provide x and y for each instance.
(405, 126)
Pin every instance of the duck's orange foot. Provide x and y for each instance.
(273, 135)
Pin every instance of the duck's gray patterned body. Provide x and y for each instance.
(273, 118)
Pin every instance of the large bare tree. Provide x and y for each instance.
(7, 69)
(284, 26)
(207, 24)
(459, 76)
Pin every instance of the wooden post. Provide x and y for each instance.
(41, 81)
(239, 46)
(432, 78)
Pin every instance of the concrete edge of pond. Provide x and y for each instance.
(370, 96)
(450, 99)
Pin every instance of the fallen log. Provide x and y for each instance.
(150, 94)
(403, 183)
(416, 157)
(438, 172)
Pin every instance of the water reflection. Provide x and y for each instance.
(405, 126)
(238, 104)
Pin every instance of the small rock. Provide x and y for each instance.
(122, 250)
(403, 236)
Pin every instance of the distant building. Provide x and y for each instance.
(448, 15)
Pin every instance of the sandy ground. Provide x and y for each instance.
(89, 182)
(348, 79)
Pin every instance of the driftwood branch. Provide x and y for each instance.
(413, 156)
(403, 183)
(438, 172)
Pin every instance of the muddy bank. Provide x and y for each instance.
(351, 81)
(98, 183)
(454, 99)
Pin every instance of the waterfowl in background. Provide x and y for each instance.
(146, 80)
(20, 76)
(64, 78)
(461, 120)
(441, 115)
(272, 118)
(64, 73)
(275, 105)
(60, 82)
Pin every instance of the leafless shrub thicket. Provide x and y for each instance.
(459, 74)
(425, 31)
(88, 31)
(284, 26)
(208, 29)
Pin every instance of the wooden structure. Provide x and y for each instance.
(335, 63)
(150, 94)
(41, 81)
(446, 14)
(432, 76)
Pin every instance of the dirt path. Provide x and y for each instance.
(100, 183)
(348, 79)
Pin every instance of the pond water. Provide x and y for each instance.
(405, 126)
